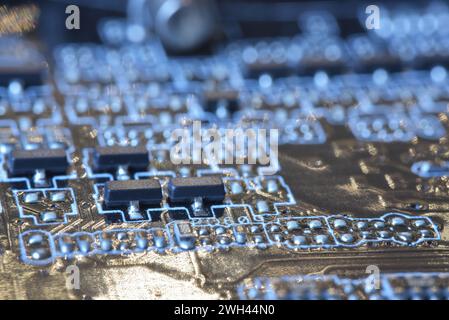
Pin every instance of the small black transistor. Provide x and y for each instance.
(28, 161)
(113, 157)
(209, 188)
(122, 192)
(28, 78)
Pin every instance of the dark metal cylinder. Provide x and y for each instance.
(183, 25)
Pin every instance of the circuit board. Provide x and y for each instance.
(87, 181)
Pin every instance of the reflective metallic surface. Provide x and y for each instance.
(360, 184)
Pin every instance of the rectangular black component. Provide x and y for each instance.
(27, 161)
(209, 188)
(121, 192)
(229, 99)
(254, 71)
(28, 78)
(112, 157)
